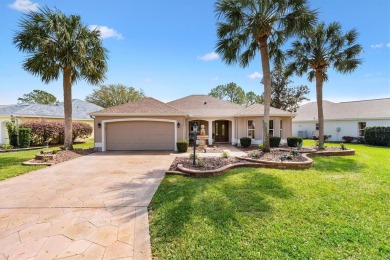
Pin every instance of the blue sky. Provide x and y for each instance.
(166, 48)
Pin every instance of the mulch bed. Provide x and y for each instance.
(66, 155)
(275, 156)
(210, 163)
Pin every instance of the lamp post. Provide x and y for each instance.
(195, 127)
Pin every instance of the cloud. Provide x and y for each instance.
(377, 46)
(255, 75)
(24, 6)
(215, 78)
(209, 56)
(106, 32)
(148, 80)
(372, 74)
(388, 45)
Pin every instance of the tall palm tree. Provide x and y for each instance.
(249, 26)
(60, 44)
(320, 49)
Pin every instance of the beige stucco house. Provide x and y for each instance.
(149, 124)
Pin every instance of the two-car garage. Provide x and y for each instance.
(139, 135)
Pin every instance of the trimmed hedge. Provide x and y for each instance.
(182, 146)
(292, 141)
(377, 135)
(24, 137)
(53, 131)
(274, 141)
(245, 141)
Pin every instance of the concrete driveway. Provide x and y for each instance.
(93, 207)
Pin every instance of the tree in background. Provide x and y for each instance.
(282, 95)
(61, 44)
(320, 49)
(248, 27)
(251, 98)
(113, 95)
(230, 92)
(39, 97)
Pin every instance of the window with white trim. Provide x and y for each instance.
(271, 128)
(251, 129)
(361, 126)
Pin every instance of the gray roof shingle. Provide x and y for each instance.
(145, 106)
(81, 109)
(363, 109)
(258, 110)
(206, 106)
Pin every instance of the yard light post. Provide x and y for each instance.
(195, 128)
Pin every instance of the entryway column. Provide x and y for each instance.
(210, 132)
(233, 131)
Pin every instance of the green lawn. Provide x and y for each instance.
(11, 162)
(340, 209)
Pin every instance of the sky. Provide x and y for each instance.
(167, 49)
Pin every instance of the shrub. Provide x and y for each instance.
(191, 155)
(343, 147)
(225, 154)
(274, 141)
(377, 135)
(182, 146)
(53, 131)
(361, 140)
(24, 137)
(348, 139)
(293, 141)
(12, 129)
(245, 141)
(7, 146)
(255, 154)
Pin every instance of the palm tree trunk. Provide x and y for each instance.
(319, 82)
(267, 91)
(67, 85)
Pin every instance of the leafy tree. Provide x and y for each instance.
(321, 48)
(230, 92)
(251, 98)
(61, 44)
(282, 95)
(113, 95)
(249, 26)
(39, 97)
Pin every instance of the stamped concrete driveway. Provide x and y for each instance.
(93, 207)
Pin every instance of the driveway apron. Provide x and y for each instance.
(92, 207)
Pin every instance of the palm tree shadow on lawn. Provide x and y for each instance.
(338, 164)
(219, 201)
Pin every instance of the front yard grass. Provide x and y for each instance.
(337, 209)
(11, 162)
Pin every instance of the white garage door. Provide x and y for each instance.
(139, 135)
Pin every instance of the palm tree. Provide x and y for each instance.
(57, 43)
(320, 49)
(249, 26)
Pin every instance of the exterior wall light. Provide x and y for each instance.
(178, 125)
(99, 125)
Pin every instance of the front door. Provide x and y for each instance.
(221, 131)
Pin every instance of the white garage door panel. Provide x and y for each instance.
(140, 135)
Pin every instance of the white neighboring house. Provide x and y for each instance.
(342, 119)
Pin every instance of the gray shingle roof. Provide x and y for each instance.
(81, 109)
(206, 106)
(145, 106)
(363, 109)
(258, 110)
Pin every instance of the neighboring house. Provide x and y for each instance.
(149, 124)
(31, 111)
(342, 119)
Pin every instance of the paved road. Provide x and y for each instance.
(93, 207)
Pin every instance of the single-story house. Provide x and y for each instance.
(149, 124)
(32, 111)
(342, 119)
